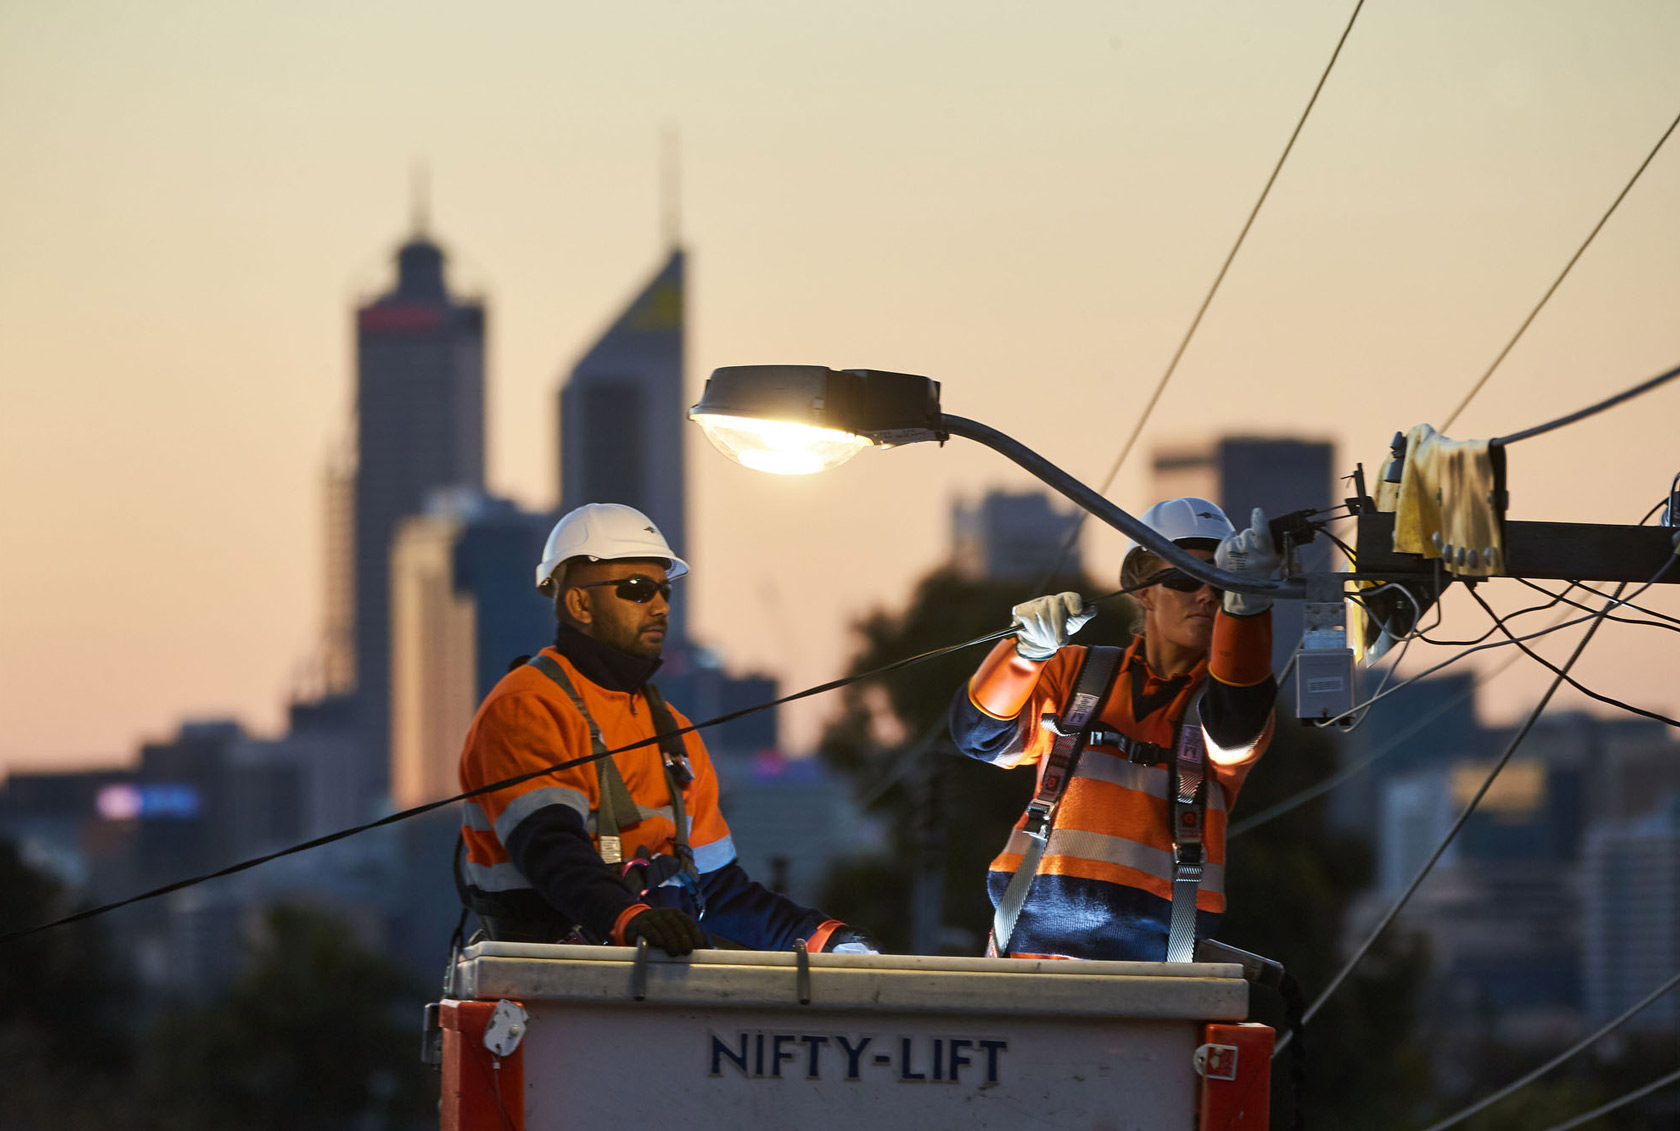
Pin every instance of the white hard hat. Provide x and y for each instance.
(1186, 521)
(604, 532)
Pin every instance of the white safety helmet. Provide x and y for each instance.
(604, 532)
(1191, 522)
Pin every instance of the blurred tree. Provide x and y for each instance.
(319, 1033)
(64, 1010)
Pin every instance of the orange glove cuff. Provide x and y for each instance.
(1005, 681)
(1241, 655)
(623, 921)
(819, 937)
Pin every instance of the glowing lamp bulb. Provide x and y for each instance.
(779, 447)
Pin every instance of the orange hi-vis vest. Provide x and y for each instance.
(528, 722)
(1107, 868)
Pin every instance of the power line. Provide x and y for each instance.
(1468, 397)
(1605, 1030)
(1184, 343)
(1590, 410)
(1576, 684)
(1288, 804)
(1674, 622)
(1463, 817)
(1636, 1094)
(505, 783)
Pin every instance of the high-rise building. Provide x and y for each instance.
(622, 424)
(1243, 472)
(419, 427)
(462, 605)
(1012, 536)
(1630, 879)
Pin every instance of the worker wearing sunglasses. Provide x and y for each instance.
(1121, 853)
(629, 846)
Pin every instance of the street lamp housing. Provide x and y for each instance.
(800, 419)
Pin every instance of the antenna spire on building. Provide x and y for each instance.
(420, 193)
(670, 186)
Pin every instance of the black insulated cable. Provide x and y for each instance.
(1592, 1038)
(1470, 808)
(1468, 397)
(1184, 343)
(1592, 409)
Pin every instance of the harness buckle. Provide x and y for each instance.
(1052, 722)
(1189, 856)
(1038, 821)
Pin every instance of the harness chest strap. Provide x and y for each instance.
(1090, 691)
(615, 799)
(1189, 816)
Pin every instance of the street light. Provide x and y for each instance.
(800, 419)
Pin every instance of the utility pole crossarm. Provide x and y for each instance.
(1556, 551)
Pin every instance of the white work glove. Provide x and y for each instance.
(1251, 553)
(1043, 624)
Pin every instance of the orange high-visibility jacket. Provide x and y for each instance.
(531, 848)
(1103, 888)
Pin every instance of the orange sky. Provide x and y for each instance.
(1027, 203)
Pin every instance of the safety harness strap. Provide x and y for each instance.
(1189, 812)
(615, 795)
(1090, 691)
(678, 774)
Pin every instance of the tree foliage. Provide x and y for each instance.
(318, 1033)
(65, 1009)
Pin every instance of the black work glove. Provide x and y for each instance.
(672, 931)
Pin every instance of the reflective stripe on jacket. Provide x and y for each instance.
(1103, 887)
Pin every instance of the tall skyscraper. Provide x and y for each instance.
(419, 427)
(1011, 535)
(622, 415)
(462, 606)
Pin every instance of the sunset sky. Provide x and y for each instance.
(1026, 202)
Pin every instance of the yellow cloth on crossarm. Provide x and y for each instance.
(1446, 508)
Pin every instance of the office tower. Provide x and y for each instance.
(1630, 879)
(337, 674)
(622, 416)
(1243, 472)
(462, 605)
(1009, 536)
(419, 427)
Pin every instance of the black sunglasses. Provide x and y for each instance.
(1180, 582)
(639, 589)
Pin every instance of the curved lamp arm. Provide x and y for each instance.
(1088, 500)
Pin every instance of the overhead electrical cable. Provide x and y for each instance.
(1449, 662)
(1606, 1109)
(1463, 817)
(1477, 387)
(1295, 801)
(492, 787)
(1571, 681)
(1184, 343)
(1590, 1039)
(1673, 622)
(1592, 409)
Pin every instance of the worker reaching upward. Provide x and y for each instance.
(1140, 754)
(626, 847)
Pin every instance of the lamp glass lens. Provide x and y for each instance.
(779, 447)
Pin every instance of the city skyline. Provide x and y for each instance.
(1028, 211)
